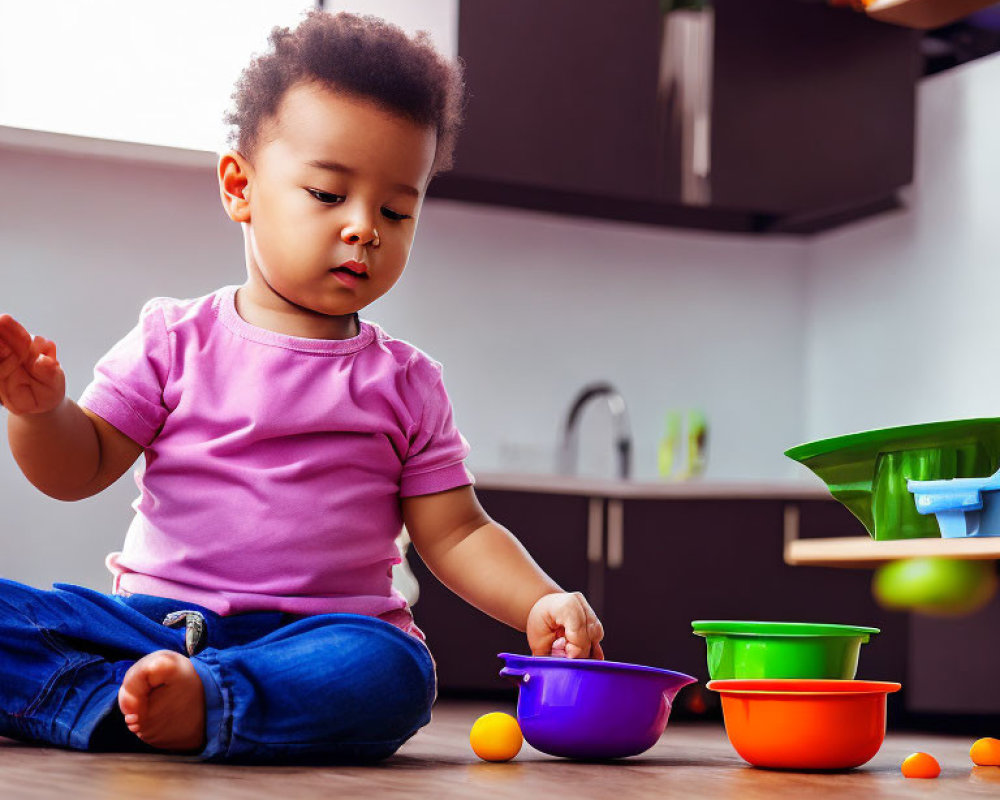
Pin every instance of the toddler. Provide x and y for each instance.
(286, 442)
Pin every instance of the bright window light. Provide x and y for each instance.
(158, 73)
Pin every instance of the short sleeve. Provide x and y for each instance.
(127, 389)
(435, 460)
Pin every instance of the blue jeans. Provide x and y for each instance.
(278, 687)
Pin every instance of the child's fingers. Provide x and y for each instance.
(567, 620)
(46, 371)
(583, 629)
(35, 348)
(17, 348)
(542, 645)
(9, 362)
(13, 335)
(45, 365)
(576, 624)
(42, 348)
(584, 612)
(13, 357)
(575, 651)
(595, 628)
(42, 364)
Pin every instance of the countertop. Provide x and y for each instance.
(650, 490)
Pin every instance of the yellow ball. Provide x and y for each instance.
(496, 737)
(986, 752)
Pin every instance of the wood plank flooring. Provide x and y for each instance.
(690, 761)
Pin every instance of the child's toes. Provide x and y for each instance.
(132, 700)
(142, 677)
(133, 696)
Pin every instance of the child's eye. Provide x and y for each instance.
(328, 198)
(388, 213)
(325, 197)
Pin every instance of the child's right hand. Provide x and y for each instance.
(31, 380)
(564, 624)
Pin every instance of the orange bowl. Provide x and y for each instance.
(804, 724)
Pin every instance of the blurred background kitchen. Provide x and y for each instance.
(780, 215)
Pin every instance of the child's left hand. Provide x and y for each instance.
(567, 616)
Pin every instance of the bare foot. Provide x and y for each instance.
(163, 701)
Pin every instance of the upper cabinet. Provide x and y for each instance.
(561, 95)
(771, 115)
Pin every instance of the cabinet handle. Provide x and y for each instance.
(616, 534)
(595, 531)
(685, 98)
(791, 524)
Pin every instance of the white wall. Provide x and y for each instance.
(522, 308)
(903, 309)
(82, 244)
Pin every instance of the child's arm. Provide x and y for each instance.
(485, 565)
(66, 452)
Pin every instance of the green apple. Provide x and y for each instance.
(939, 586)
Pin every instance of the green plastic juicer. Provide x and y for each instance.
(867, 471)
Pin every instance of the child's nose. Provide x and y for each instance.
(360, 234)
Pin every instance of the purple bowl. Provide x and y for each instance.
(988, 18)
(586, 708)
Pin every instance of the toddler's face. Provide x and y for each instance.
(334, 179)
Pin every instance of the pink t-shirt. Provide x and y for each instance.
(274, 464)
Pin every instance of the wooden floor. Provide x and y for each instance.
(689, 761)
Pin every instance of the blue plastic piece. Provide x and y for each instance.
(963, 506)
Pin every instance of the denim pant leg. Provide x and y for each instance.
(63, 653)
(329, 687)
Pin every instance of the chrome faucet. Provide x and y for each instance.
(623, 435)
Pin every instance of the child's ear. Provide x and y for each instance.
(234, 182)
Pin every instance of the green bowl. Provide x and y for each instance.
(781, 649)
(867, 471)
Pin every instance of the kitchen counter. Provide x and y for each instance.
(697, 489)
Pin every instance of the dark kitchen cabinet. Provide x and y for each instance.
(825, 519)
(817, 113)
(561, 95)
(780, 115)
(658, 564)
(465, 641)
(954, 663)
(681, 560)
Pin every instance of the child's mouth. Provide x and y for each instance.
(348, 276)
(349, 271)
(355, 268)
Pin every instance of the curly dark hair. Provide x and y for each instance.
(364, 56)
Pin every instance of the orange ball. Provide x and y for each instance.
(921, 765)
(986, 752)
(496, 737)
